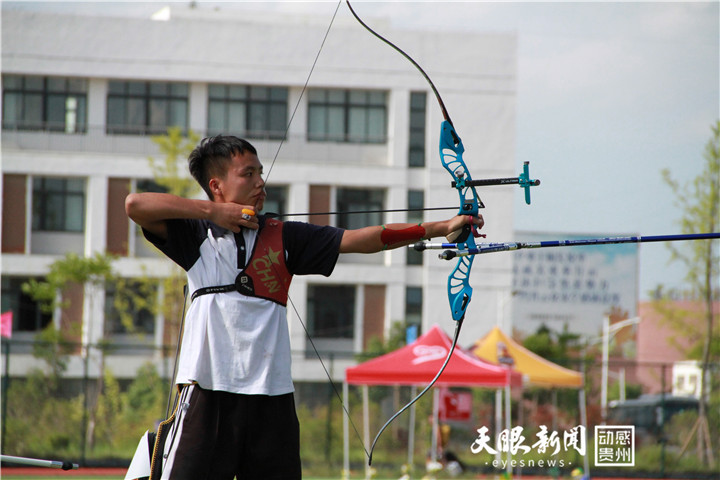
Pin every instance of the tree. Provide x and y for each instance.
(176, 148)
(71, 270)
(65, 273)
(131, 295)
(699, 200)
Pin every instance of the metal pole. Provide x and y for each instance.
(346, 434)
(411, 430)
(498, 420)
(435, 429)
(34, 462)
(5, 387)
(508, 426)
(607, 330)
(605, 358)
(366, 423)
(584, 422)
(328, 419)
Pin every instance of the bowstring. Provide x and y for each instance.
(356, 212)
(259, 240)
(302, 92)
(456, 336)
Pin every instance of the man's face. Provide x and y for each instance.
(243, 183)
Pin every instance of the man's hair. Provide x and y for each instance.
(212, 157)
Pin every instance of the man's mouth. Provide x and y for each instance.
(259, 198)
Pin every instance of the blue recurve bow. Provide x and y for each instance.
(458, 286)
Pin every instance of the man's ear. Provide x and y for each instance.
(214, 185)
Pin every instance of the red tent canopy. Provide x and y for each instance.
(419, 362)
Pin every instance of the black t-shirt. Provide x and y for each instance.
(310, 249)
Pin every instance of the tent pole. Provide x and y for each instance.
(554, 393)
(346, 435)
(411, 430)
(366, 424)
(435, 430)
(508, 426)
(583, 422)
(498, 420)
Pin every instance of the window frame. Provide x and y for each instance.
(44, 91)
(145, 101)
(47, 198)
(341, 298)
(268, 99)
(328, 107)
(345, 203)
(24, 308)
(417, 132)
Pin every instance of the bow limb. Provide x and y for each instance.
(445, 113)
(424, 390)
(451, 150)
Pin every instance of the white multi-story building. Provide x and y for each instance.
(82, 95)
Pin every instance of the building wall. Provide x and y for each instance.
(477, 81)
(659, 343)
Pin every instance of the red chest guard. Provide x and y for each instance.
(266, 275)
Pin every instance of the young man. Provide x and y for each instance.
(236, 414)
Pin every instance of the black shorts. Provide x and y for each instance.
(221, 435)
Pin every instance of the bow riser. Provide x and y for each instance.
(451, 156)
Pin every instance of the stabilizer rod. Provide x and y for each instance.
(35, 462)
(523, 180)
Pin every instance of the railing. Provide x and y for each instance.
(96, 139)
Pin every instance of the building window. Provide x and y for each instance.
(247, 111)
(356, 116)
(276, 200)
(134, 300)
(27, 314)
(56, 104)
(416, 201)
(140, 108)
(331, 311)
(413, 306)
(58, 204)
(359, 208)
(416, 148)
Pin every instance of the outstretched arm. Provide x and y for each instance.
(395, 235)
(151, 210)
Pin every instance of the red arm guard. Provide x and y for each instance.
(390, 237)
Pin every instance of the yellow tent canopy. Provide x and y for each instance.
(496, 347)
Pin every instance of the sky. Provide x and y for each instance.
(608, 95)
